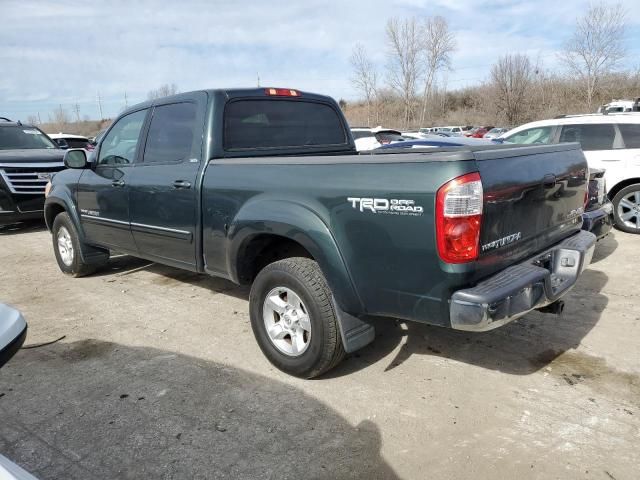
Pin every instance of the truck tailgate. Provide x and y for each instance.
(533, 198)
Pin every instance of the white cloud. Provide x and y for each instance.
(68, 51)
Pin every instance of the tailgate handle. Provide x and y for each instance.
(549, 180)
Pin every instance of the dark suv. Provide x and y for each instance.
(28, 158)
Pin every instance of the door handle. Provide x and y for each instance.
(118, 183)
(181, 184)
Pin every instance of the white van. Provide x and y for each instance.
(610, 142)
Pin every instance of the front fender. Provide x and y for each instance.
(60, 199)
(303, 225)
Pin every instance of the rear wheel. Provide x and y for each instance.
(626, 209)
(293, 318)
(66, 246)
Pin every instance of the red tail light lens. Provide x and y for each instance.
(282, 92)
(458, 218)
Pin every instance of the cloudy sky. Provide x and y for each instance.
(69, 52)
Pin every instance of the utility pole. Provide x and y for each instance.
(258, 76)
(39, 119)
(76, 108)
(126, 102)
(100, 106)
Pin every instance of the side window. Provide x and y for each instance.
(590, 136)
(119, 145)
(630, 134)
(531, 136)
(171, 133)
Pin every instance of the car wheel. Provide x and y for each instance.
(626, 209)
(293, 318)
(66, 246)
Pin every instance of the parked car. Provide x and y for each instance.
(265, 187)
(436, 141)
(370, 138)
(67, 140)
(481, 132)
(28, 157)
(453, 131)
(13, 332)
(495, 132)
(610, 142)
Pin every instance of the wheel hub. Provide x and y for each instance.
(65, 246)
(286, 321)
(629, 210)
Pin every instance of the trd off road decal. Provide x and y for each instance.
(388, 206)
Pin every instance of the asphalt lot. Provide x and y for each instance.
(159, 376)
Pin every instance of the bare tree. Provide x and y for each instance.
(438, 43)
(404, 67)
(596, 47)
(365, 77)
(32, 119)
(512, 77)
(60, 118)
(163, 91)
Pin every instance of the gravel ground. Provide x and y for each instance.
(158, 376)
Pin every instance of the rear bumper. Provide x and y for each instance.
(599, 221)
(521, 288)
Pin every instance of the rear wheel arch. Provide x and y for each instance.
(613, 191)
(303, 232)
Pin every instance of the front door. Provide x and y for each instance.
(163, 195)
(103, 191)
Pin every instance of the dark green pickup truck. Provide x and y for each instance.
(264, 186)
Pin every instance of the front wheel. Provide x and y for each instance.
(626, 209)
(293, 318)
(66, 246)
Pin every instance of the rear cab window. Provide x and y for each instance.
(253, 124)
(594, 136)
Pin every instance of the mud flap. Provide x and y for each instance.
(355, 333)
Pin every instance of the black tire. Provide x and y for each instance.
(76, 267)
(302, 276)
(620, 225)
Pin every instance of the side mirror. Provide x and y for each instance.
(13, 331)
(75, 158)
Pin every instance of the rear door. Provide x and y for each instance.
(533, 198)
(163, 197)
(103, 191)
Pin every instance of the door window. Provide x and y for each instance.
(531, 136)
(630, 134)
(171, 133)
(119, 145)
(590, 136)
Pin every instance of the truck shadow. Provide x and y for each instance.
(93, 409)
(23, 227)
(519, 348)
(605, 247)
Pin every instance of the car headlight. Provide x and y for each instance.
(47, 189)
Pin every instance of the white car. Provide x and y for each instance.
(68, 140)
(371, 138)
(610, 142)
(415, 135)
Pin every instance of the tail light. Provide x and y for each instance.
(458, 218)
(281, 92)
